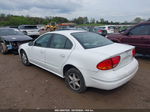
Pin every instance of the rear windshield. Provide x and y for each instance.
(28, 27)
(111, 27)
(102, 27)
(91, 40)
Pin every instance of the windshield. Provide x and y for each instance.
(28, 27)
(101, 27)
(91, 40)
(5, 32)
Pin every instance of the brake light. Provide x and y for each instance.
(109, 63)
(100, 31)
(133, 52)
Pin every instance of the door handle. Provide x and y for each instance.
(62, 55)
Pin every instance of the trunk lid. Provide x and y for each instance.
(112, 50)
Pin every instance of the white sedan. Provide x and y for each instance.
(83, 59)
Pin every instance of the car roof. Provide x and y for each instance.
(145, 22)
(67, 31)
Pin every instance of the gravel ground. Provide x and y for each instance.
(24, 87)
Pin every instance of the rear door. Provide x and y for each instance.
(58, 52)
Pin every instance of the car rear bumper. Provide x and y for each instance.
(112, 79)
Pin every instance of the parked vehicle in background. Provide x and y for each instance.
(30, 30)
(69, 28)
(84, 59)
(16, 27)
(85, 28)
(11, 38)
(98, 30)
(51, 26)
(108, 28)
(138, 35)
(40, 26)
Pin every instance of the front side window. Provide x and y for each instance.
(60, 42)
(43, 41)
(91, 40)
(141, 30)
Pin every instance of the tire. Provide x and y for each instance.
(24, 59)
(74, 80)
(3, 48)
(25, 32)
(104, 33)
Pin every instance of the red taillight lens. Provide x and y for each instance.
(115, 61)
(133, 52)
(100, 31)
(109, 63)
(105, 65)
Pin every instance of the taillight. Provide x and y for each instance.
(100, 31)
(109, 63)
(133, 52)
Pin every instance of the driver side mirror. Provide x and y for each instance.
(31, 43)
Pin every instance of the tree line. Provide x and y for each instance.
(13, 20)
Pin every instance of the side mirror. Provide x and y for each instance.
(31, 43)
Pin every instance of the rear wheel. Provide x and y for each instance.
(24, 59)
(104, 33)
(3, 48)
(75, 80)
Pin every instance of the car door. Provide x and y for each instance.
(58, 52)
(37, 51)
(138, 36)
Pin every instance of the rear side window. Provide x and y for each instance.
(91, 40)
(68, 44)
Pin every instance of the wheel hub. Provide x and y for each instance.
(74, 81)
(24, 58)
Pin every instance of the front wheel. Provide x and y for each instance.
(24, 59)
(3, 48)
(75, 80)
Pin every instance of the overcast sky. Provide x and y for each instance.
(115, 10)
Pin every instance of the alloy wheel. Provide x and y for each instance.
(74, 81)
(24, 58)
